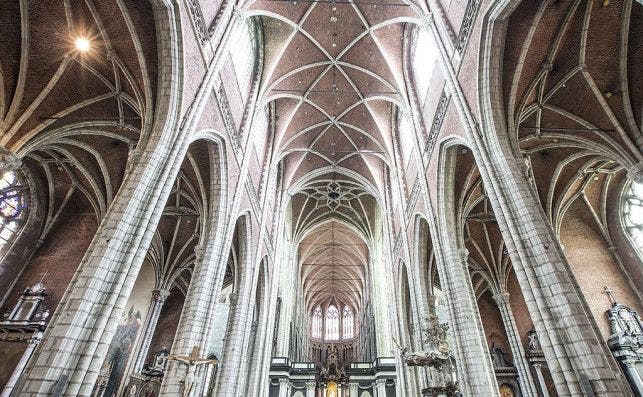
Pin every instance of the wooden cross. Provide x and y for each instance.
(610, 295)
(45, 274)
(192, 361)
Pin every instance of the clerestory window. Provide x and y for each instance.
(244, 57)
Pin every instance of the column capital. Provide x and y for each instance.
(427, 21)
(8, 161)
(160, 295)
(501, 298)
(283, 382)
(464, 253)
(353, 386)
(199, 250)
(310, 385)
(238, 12)
(133, 157)
(635, 172)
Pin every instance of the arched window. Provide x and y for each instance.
(633, 211)
(423, 57)
(347, 319)
(12, 206)
(316, 326)
(332, 323)
(244, 57)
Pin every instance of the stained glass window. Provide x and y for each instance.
(423, 60)
(347, 320)
(12, 206)
(332, 323)
(633, 209)
(316, 327)
(244, 57)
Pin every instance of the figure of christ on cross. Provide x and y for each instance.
(192, 361)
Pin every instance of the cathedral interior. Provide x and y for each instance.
(321, 198)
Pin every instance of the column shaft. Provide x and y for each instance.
(284, 387)
(353, 389)
(541, 380)
(310, 389)
(527, 386)
(156, 304)
(235, 343)
(198, 309)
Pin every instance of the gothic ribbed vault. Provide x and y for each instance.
(334, 72)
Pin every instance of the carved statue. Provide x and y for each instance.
(498, 357)
(423, 359)
(534, 343)
(630, 325)
(436, 351)
(192, 361)
(436, 355)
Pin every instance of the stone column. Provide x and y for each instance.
(13, 380)
(194, 324)
(235, 345)
(475, 371)
(541, 379)
(284, 387)
(577, 357)
(79, 334)
(353, 389)
(310, 389)
(380, 388)
(251, 364)
(158, 299)
(527, 386)
(76, 342)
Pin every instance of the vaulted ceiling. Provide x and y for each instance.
(573, 93)
(73, 116)
(333, 220)
(334, 71)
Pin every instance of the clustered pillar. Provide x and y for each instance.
(156, 304)
(525, 379)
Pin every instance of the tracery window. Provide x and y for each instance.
(332, 323)
(316, 327)
(244, 57)
(633, 211)
(347, 321)
(423, 59)
(12, 206)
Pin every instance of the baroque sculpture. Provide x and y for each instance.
(436, 354)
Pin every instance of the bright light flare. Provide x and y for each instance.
(82, 44)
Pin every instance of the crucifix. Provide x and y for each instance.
(45, 274)
(610, 295)
(192, 361)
